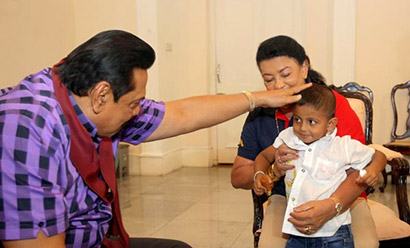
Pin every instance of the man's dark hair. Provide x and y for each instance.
(109, 56)
(320, 97)
(283, 45)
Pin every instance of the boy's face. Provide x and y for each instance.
(310, 124)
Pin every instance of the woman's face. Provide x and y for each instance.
(283, 72)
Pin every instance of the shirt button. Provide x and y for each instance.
(310, 149)
(41, 224)
(303, 170)
(293, 198)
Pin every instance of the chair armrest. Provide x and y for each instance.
(390, 154)
(400, 170)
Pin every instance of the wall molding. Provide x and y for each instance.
(160, 164)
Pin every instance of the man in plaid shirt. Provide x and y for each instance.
(44, 201)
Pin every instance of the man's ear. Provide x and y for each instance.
(331, 124)
(99, 96)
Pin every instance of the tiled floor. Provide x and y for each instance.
(198, 206)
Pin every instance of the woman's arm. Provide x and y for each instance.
(242, 173)
(315, 213)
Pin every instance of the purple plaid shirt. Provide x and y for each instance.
(40, 189)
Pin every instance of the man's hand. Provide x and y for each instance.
(282, 155)
(310, 216)
(279, 97)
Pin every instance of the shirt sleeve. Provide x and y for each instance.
(358, 155)
(248, 146)
(348, 122)
(284, 135)
(32, 164)
(140, 127)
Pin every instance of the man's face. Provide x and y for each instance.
(310, 124)
(115, 114)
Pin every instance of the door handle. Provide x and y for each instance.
(218, 73)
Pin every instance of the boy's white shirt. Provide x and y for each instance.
(320, 169)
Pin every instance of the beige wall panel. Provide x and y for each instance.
(382, 55)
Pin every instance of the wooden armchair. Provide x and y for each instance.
(400, 166)
(356, 95)
(397, 140)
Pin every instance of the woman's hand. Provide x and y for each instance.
(310, 216)
(283, 156)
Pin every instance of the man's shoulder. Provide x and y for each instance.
(35, 89)
(32, 99)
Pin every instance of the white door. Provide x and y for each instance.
(240, 26)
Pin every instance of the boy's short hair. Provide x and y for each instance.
(320, 97)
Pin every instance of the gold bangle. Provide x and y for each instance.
(271, 174)
(251, 100)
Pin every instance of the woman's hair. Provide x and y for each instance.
(286, 46)
(320, 97)
(109, 56)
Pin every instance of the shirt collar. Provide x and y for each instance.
(88, 125)
(298, 144)
(281, 116)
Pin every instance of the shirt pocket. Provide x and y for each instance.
(324, 170)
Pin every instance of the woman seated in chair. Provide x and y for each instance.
(283, 63)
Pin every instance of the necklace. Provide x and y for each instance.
(276, 121)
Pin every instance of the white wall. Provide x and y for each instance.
(34, 34)
(180, 38)
(183, 56)
(94, 16)
(383, 56)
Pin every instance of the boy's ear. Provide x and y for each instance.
(331, 124)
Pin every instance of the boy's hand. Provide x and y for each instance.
(369, 177)
(262, 184)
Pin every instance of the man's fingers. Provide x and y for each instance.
(292, 99)
(299, 88)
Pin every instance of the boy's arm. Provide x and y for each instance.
(262, 183)
(373, 169)
(264, 159)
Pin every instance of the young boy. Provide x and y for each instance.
(321, 166)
